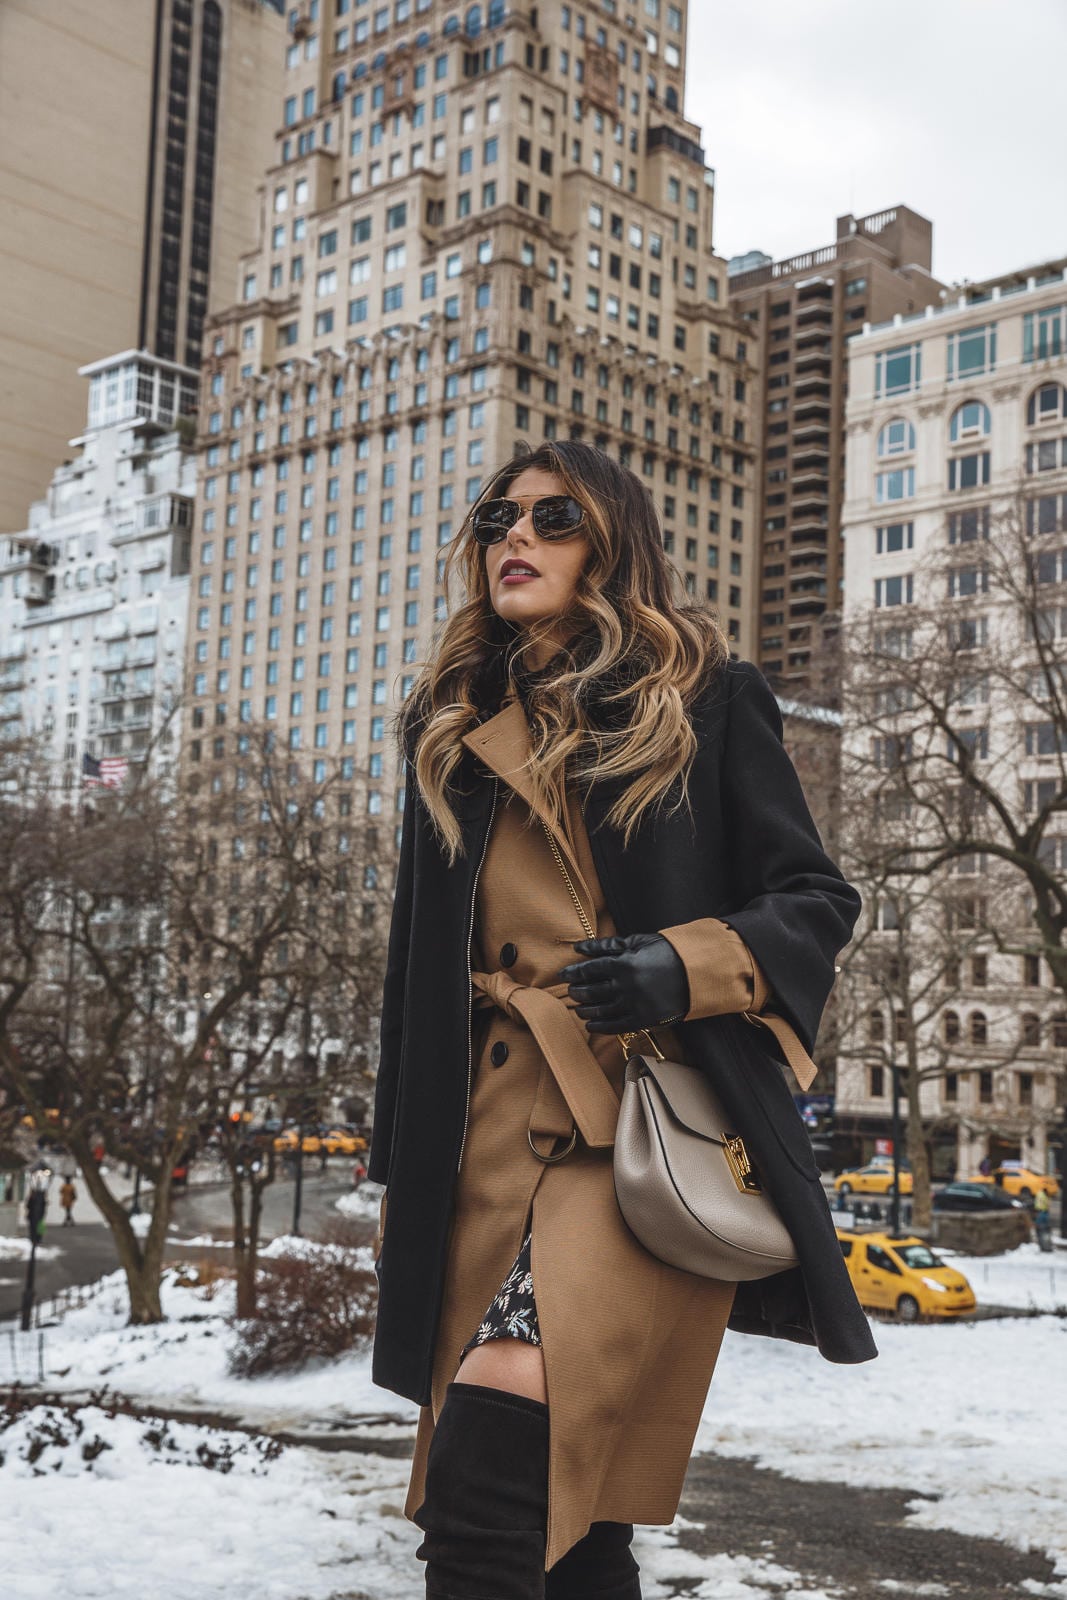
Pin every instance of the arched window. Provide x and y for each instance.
(670, 98)
(1059, 1031)
(971, 420)
(340, 79)
(497, 12)
(1031, 1025)
(952, 1027)
(875, 1026)
(451, 25)
(472, 24)
(1047, 404)
(896, 438)
(978, 1028)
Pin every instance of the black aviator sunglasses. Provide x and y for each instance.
(554, 516)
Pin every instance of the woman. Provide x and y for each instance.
(575, 717)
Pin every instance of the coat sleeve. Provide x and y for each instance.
(387, 1086)
(719, 967)
(794, 910)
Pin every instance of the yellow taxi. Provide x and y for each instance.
(338, 1141)
(1022, 1182)
(875, 1178)
(311, 1144)
(903, 1277)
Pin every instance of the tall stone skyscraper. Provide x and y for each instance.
(805, 310)
(133, 135)
(483, 226)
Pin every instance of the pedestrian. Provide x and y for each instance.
(359, 1172)
(581, 754)
(985, 1166)
(67, 1196)
(9, 1189)
(1043, 1219)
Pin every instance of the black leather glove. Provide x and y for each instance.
(628, 983)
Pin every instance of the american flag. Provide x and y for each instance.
(107, 773)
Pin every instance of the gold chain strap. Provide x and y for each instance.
(625, 1039)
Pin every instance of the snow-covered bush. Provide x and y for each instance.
(315, 1302)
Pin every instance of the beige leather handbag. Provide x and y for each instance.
(685, 1185)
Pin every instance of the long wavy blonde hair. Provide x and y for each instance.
(613, 702)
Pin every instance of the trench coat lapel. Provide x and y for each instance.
(503, 744)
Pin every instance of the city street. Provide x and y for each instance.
(87, 1250)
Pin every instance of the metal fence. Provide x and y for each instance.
(22, 1355)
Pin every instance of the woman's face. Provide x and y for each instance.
(555, 564)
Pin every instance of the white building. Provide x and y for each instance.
(94, 593)
(955, 416)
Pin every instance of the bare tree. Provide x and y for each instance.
(955, 761)
(904, 1007)
(158, 942)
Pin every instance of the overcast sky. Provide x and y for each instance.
(957, 108)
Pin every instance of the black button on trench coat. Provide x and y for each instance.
(626, 1382)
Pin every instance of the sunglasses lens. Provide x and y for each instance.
(493, 519)
(556, 515)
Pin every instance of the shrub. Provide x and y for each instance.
(318, 1303)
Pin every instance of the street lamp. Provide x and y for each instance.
(36, 1206)
(894, 1201)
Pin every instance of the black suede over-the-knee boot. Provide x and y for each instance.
(486, 1501)
(598, 1567)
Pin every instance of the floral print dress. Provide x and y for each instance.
(513, 1312)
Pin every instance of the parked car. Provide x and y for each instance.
(874, 1178)
(905, 1277)
(967, 1196)
(1013, 1178)
(311, 1144)
(340, 1141)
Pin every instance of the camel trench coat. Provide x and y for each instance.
(629, 1343)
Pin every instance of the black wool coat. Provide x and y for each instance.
(748, 853)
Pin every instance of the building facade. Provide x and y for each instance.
(805, 310)
(482, 228)
(957, 435)
(132, 140)
(94, 593)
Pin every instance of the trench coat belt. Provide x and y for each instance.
(573, 1091)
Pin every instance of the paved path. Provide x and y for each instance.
(87, 1250)
(857, 1543)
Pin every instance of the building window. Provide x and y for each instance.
(967, 527)
(1047, 404)
(894, 537)
(972, 353)
(893, 591)
(1045, 333)
(970, 471)
(898, 484)
(898, 371)
(896, 438)
(970, 421)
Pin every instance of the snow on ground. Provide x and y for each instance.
(965, 1413)
(12, 1249)
(184, 1363)
(1025, 1277)
(306, 1526)
(364, 1202)
(303, 1525)
(962, 1412)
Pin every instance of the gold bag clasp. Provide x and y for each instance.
(741, 1168)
